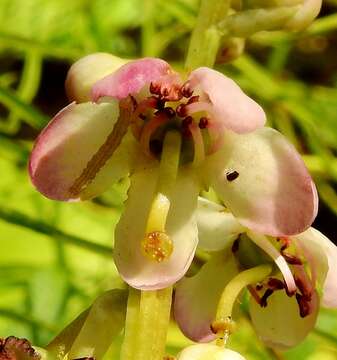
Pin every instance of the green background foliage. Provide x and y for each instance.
(55, 258)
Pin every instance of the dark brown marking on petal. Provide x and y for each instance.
(104, 153)
(232, 175)
(193, 99)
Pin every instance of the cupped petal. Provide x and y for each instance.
(130, 78)
(230, 105)
(69, 154)
(279, 324)
(263, 181)
(197, 297)
(208, 352)
(135, 267)
(217, 228)
(322, 256)
(85, 72)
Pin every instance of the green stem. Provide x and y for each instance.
(206, 38)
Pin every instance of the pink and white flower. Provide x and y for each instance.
(115, 128)
(284, 307)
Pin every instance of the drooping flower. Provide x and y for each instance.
(208, 352)
(116, 127)
(283, 308)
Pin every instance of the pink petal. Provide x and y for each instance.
(197, 297)
(230, 105)
(137, 269)
(130, 78)
(322, 255)
(68, 143)
(279, 324)
(263, 181)
(85, 72)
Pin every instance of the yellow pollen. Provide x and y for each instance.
(157, 245)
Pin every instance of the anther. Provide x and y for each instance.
(203, 122)
(265, 297)
(231, 175)
(154, 88)
(303, 305)
(304, 289)
(157, 245)
(186, 90)
(169, 112)
(181, 110)
(275, 284)
(193, 99)
(292, 259)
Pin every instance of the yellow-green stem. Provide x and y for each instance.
(206, 38)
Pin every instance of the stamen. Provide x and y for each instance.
(149, 129)
(199, 148)
(303, 305)
(193, 99)
(186, 90)
(181, 110)
(265, 244)
(292, 259)
(265, 297)
(203, 122)
(254, 293)
(275, 284)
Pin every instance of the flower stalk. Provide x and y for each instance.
(206, 38)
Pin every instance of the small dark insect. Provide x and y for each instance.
(231, 175)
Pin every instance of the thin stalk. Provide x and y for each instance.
(206, 38)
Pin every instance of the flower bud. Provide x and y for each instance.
(86, 71)
(208, 352)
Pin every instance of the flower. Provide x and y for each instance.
(116, 128)
(209, 352)
(13, 348)
(284, 306)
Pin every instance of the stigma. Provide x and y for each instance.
(157, 246)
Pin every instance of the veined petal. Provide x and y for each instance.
(217, 228)
(135, 267)
(197, 297)
(59, 165)
(230, 105)
(208, 352)
(279, 324)
(130, 78)
(264, 182)
(85, 72)
(322, 256)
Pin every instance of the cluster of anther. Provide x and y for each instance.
(304, 291)
(13, 348)
(161, 94)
